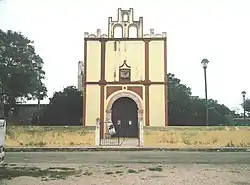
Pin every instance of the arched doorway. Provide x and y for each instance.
(125, 111)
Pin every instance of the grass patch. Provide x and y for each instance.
(109, 173)
(132, 171)
(10, 172)
(158, 169)
(118, 166)
(10, 164)
(61, 169)
(87, 173)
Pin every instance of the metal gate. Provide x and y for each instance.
(111, 135)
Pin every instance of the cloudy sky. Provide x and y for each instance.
(218, 30)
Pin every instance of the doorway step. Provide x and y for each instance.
(129, 142)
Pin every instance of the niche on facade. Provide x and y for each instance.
(125, 17)
(133, 31)
(118, 31)
(124, 72)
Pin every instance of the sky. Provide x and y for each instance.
(218, 30)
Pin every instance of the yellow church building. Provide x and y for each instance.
(125, 78)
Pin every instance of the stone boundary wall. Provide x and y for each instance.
(197, 136)
(38, 136)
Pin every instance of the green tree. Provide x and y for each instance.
(179, 99)
(65, 108)
(185, 109)
(21, 72)
(247, 105)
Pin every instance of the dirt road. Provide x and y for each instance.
(132, 168)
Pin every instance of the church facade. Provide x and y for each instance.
(125, 78)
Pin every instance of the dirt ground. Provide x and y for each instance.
(134, 174)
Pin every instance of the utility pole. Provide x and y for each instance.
(1, 99)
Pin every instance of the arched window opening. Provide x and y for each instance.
(118, 32)
(125, 18)
(132, 32)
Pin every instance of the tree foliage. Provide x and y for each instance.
(21, 71)
(65, 108)
(246, 105)
(178, 99)
(185, 109)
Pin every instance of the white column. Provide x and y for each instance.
(141, 124)
(97, 132)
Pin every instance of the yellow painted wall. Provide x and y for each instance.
(196, 137)
(156, 61)
(92, 104)
(49, 136)
(134, 55)
(93, 61)
(157, 105)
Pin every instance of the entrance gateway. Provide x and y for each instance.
(124, 114)
(125, 118)
(123, 79)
